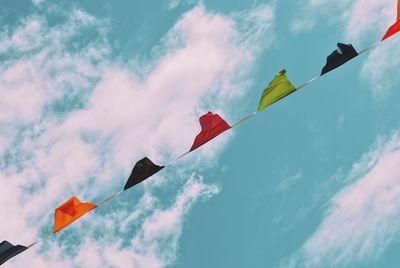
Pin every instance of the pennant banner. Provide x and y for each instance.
(69, 212)
(395, 28)
(277, 89)
(212, 125)
(8, 250)
(142, 170)
(343, 54)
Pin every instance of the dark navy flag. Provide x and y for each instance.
(343, 54)
(8, 250)
(143, 169)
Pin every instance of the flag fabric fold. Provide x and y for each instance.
(69, 212)
(212, 125)
(277, 89)
(8, 250)
(142, 170)
(395, 28)
(340, 56)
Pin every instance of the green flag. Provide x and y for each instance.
(279, 88)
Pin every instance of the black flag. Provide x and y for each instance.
(339, 57)
(142, 170)
(8, 250)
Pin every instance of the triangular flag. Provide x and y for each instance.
(8, 250)
(343, 54)
(142, 170)
(212, 125)
(277, 89)
(396, 26)
(69, 212)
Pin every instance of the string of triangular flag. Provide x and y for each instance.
(212, 125)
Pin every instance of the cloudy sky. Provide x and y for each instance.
(87, 88)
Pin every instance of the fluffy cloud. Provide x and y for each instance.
(171, 4)
(363, 218)
(18, 82)
(359, 18)
(79, 118)
(380, 69)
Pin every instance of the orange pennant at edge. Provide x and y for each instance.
(395, 28)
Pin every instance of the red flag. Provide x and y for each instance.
(69, 212)
(395, 27)
(212, 125)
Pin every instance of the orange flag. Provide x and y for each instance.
(395, 27)
(69, 212)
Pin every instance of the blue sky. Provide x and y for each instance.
(89, 88)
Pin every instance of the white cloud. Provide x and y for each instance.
(92, 117)
(161, 230)
(288, 182)
(38, 2)
(364, 217)
(370, 18)
(312, 11)
(22, 96)
(171, 4)
(359, 18)
(302, 24)
(380, 69)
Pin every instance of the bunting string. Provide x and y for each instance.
(212, 125)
